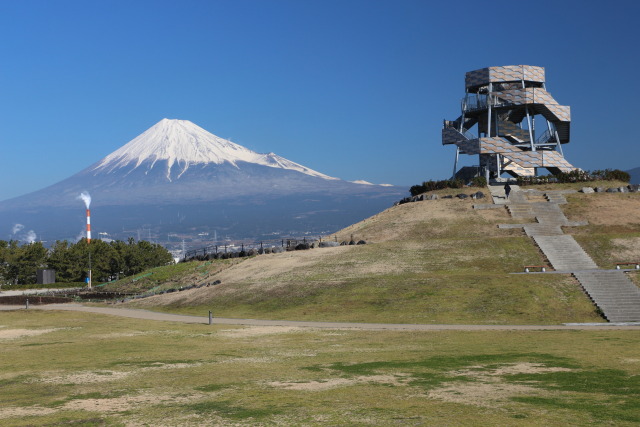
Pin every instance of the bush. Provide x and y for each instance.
(435, 185)
(479, 181)
(616, 175)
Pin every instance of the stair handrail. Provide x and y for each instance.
(546, 136)
(452, 124)
(467, 134)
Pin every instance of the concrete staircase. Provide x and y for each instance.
(497, 193)
(520, 210)
(557, 198)
(564, 253)
(617, 297)
(613, 293)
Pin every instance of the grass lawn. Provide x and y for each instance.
(61, 368)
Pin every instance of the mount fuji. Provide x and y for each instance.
(177, 179)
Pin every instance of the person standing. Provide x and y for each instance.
(507, 190)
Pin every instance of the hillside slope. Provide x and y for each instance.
(426, 262)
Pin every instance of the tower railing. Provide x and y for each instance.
(474, 102)
(547, 136)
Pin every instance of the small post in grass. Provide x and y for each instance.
(27, 304)
(210, 317)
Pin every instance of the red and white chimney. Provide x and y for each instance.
(88, 226)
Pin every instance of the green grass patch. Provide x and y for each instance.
(170, 276)
(231, 410)
(611, 381)
(439, 364)
(211, 387)
(610, 410)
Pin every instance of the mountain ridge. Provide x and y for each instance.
(183, 142)
(177, 177)
(634, 175)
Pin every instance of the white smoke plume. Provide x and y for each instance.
(86, 198)
(81, 235)
(30, 237)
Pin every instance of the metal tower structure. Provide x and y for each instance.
(519, 127)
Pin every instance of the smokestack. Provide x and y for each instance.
(86, 198)
(88, 226)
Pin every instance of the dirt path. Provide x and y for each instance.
(166, 317)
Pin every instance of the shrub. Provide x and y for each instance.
(617, 175)
(479, 181)
(435, 185)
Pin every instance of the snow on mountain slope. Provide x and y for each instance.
(182, 143)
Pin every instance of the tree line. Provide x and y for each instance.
(19, 263)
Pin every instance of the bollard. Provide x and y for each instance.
(210, 318)
(27, 304)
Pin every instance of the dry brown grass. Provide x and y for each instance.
(613, 233)
(401, 222)
(8, 334)
(399, 242)
(405, 229)
(605, 209)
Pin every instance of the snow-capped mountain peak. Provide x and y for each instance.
(182, 143)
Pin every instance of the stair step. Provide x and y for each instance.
(613, 293)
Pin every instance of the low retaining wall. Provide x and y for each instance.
(33, 299)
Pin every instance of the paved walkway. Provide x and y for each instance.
(498, 195)
(151, 315)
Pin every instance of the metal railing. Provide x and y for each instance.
(467, 134)
(227, 248)
(473, 102)
(546, 137)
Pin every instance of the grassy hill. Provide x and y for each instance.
(425, 262)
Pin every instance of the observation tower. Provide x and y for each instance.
(511, 122)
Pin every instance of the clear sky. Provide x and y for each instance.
(354, 89)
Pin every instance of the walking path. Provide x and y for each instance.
(498, 194)
(611, 291)
(151, 315)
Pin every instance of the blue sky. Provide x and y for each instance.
(354, 89)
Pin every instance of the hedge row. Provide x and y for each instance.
(446, 183)
(577, 176)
